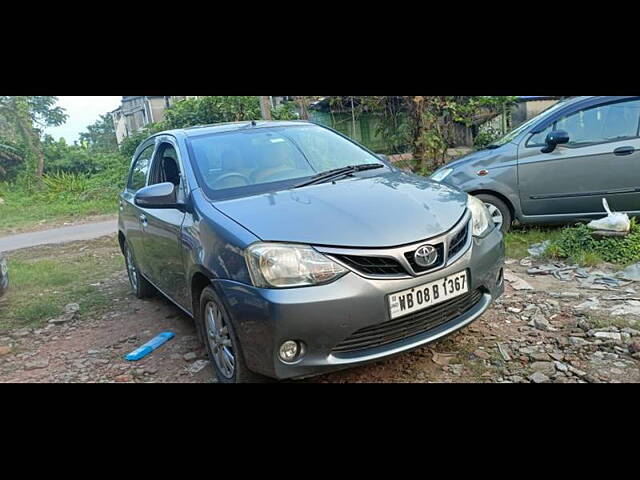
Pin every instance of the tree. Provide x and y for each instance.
(101, 136)
(24, 116)
(265, 108)
(428, 124)
(213, 109)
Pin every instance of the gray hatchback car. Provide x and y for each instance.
(558, 166)
(298, 251)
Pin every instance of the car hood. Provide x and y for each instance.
(479, 156)
(388, 209)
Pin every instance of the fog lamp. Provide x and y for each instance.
(289, 351)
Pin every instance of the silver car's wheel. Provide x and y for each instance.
(496, 215)
(131, 271)
(219, 339)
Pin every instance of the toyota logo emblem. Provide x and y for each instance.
(426, 256)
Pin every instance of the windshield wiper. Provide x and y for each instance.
(338, 172)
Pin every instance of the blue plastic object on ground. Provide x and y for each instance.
(149, 347)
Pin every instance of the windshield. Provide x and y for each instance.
(259, 160)
(517, 131)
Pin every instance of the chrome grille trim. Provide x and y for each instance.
(398, 253)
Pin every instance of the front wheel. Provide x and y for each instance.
(499, 211)
(222, 342)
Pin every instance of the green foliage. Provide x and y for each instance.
(285, 111)
(20, 119)
(578, 243)
(487, 134)
(425, 124)
(130, 144)
(214, 109)
(101, 136)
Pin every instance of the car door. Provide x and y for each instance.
(601, 160)
(162, 227)
(129, 212)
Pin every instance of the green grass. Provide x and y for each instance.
(519, 239)
(58, 198)
(44, 280)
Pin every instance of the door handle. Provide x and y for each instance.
(143, 220)
(624, 151)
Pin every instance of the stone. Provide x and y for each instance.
(23, 332)
(123, 378)
(516, 282)
(634, 346)
(570, 295)
(93, 352)
(609, 335)
(548, 368)
(540, 357)
(578, 341)
(71, 308)
(541, 323)
(189, 357)
(514, 310)
(37, 364)
(557, 356)
(561, 367)
(576, 371)
(4, 350)
(481, 354)
(538, 377)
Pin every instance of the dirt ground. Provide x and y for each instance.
(540, 335)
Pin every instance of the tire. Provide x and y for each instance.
(140, 285)
(222, 342)
(497, 209)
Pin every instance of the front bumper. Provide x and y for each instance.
(325, 315)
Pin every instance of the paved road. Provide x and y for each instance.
(72, 233)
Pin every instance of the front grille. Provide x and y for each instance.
(410, 256)
(409, 325)
(372, 265)
(458, 242)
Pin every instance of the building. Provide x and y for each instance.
(530, 106)
(135, 113)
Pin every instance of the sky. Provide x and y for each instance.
(82, 112)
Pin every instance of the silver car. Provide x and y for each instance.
(558, 166)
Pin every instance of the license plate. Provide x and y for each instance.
(432, 293)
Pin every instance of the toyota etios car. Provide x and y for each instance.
(298, 251)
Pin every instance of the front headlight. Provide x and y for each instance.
(481, 219)
(441, 174)
(279, 265)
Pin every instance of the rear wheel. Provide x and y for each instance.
(140, 285)
(499, 211)
(222, 343)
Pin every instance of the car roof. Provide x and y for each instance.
(199, 130)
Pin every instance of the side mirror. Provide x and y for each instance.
(382, 156)
(555, 138)
(160, 195)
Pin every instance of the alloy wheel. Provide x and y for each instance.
(219, 339)
(495, 214)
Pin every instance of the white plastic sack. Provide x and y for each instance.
(614, 221)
